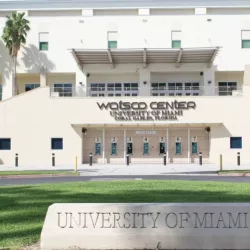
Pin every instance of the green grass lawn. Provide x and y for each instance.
(234, 171)
(23, 208)
(34, 172)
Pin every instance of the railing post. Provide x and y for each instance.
(221, 162)
(127, 159)
(16, 160)
(200, 158)
(238, 158)
(90, 159)
(165, 159)
(53, 159)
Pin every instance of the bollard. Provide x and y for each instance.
(238, 158)
(53, 159)
(76, 164)
(127, 159)
(90, 159)
(164, 159)
(16, 160)
(221, 162)
(200, 158)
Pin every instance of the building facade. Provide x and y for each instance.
(127, 78)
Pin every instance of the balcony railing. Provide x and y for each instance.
(154, 91)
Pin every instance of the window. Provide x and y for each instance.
(112, 39)
(56, 143)
(227, 88)
(64, 89)
(236, 142)
(175, 89)
(5, 143)
(113, 89)
(245, 39)
(43, 41)
(1, 91)
(29, 87)
(192, 88)
(97, 89)
(176, 39)
(130, 86)
(114, 86)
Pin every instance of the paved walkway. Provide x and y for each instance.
(133, 169)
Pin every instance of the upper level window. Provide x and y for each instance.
(64, 89)
(175, 88)
(113, 89)
(227, 88)
(29, 87)
(245, 39)
(1, 91)
(44, 41)
(112, 39)
(176, 39)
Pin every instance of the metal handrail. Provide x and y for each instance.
(170, 91)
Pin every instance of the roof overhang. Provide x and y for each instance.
(149, 125)
(145, 56)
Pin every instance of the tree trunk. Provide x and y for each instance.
(14, 83)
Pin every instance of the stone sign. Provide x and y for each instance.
(147, 226)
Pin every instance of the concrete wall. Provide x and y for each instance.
(67, 32)
(31, 119)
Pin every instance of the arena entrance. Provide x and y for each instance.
(111, 145)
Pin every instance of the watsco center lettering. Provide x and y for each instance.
(140, 111)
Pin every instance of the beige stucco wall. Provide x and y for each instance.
(229, 77)
(31, 119)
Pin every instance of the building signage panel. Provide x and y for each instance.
(142, 132)
(141, 111)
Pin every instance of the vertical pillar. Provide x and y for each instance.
(125, 145)
(167, 145)
(103, 145)
(43, 77)
(81, 88)
(188, 145)
(144, 82)
(7, 87)
(209, 82)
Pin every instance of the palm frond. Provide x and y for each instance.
(15, 32)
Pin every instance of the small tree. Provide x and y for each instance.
(14, 35)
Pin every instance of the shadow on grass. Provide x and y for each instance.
(23, 209)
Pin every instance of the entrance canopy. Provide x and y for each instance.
(148, 125)
(145, 56)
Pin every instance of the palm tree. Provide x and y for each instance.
(14, 35)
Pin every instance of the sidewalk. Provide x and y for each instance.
(133, 169)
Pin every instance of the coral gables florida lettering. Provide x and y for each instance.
(171, 220)
(141, 111)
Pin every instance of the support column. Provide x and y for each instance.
(103, 145)
(144, 82)
(81, 84)
(43, 77)
(125, 145)
(209, 82)
(7, 88)
(167, 145)
(188, 145)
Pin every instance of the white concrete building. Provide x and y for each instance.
(128, 77)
